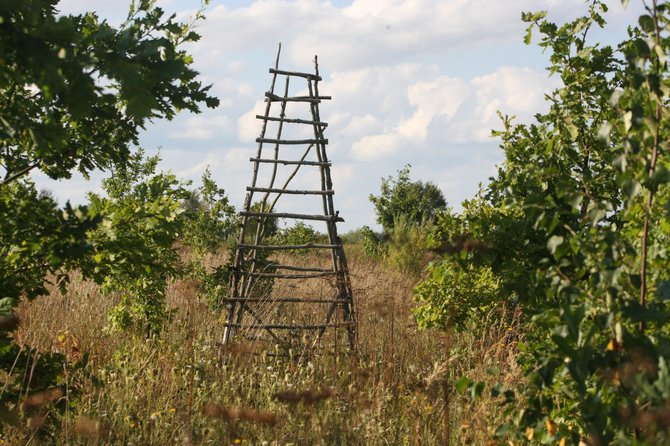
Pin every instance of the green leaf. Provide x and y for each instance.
(462, 384)
(476, 390)
(554, 242)
(646, 23)
(663, 290)
(628, 120)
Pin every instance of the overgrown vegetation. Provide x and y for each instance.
(572, 231)
(542, 313)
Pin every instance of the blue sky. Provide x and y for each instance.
(413, 82)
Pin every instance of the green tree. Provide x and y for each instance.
(211, 219)
(209, 223)
(75, 91)
(584, 192)
(134, 250)
(413, 201)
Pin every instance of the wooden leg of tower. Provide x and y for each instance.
(227, 331)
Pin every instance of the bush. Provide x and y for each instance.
(298, 234)
(413, 202)
(373, 243)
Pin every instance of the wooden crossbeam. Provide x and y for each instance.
(290, 276)
(296, 73)
(290, 191)
(312, 99)
(333, 218)
(286, 300)
(290, 162)
(294, 142)
(291, 267)
(289, 247)
(290, 327)
(292, 120)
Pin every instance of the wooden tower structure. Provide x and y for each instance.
(286, 293)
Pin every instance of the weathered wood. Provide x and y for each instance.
(290, 191)
(333, 218)
(250, 268)
(289, 327)
(290, 276)
(293, 142)
(296, 73)
(310, 99)
(290, 247)
(290, 162)
(291, 267)
(292, 120)
(286, 300)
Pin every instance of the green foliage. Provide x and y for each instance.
(39, 243)
(406, 246)
(298, 234)
(487, 251)
(37, 240)
(210, 217)
(75, 90)
(209, 223)
(134, 252)
(581, 208)
(412, 201)
(373, 243)
(452, 294)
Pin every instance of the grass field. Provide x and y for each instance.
(396, 390)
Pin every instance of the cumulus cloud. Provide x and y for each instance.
(413, 81)
(449, 110)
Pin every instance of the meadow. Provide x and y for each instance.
(179, 388)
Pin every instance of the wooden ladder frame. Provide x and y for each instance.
(250, 264)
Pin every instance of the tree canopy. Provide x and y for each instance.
(573, 231)
(75, 91)
(401, 198)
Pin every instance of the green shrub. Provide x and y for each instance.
(412, 202)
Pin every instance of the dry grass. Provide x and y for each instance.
(173, 390)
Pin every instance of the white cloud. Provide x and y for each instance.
(446, 110)
(203, 127)
(416, 81)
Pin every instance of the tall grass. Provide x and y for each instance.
(173, 389)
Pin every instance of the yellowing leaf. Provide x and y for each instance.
(530, 433)
(613, 346)
(552, 427)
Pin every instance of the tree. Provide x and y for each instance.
(414, 201)
(211, 219)
(584, 192)
(134, 250)
(74, 92)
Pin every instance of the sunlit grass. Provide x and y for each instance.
(175, 389)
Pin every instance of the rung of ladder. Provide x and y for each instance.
(290, 276)
(295, 73)
(295, 268)
(286, 300)
(291, 163)
(289, 247)
(313, 99)
(290, 191)
(292, 120)
(335, 218)
(288, 327)
(292, 141)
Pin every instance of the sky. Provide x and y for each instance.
(414, 82)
